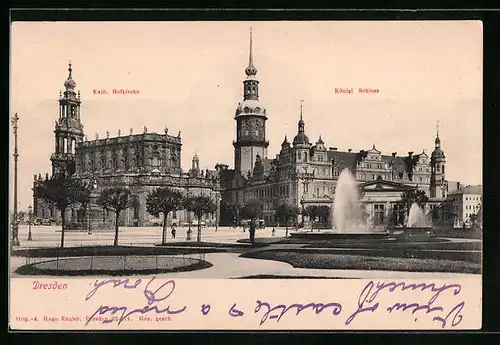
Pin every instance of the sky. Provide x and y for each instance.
(189, 76)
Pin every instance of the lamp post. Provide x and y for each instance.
(303, 210)
(218, 199)
(306, 178)
(30, 215)
(93, 187)
(15, 225)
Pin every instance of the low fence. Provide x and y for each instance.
(157, 255)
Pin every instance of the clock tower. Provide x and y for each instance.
(250, 119)
(68, 129)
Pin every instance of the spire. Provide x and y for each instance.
(301, 121)
(69, 83)
(250, 70)
(437, 141)
(285, 141)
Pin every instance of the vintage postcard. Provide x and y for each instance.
(270, 175)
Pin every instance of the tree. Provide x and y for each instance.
(116, 199)
(229, 213)
(199, 205)
(62, 192)
(410, 196)
(473, 220)
(313, 212)
(286, 212)
(252, 211)
(163, 200)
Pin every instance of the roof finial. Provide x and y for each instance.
(250, 59)
(301, 104)
(70, 69)
(250, 70)
(437, 129)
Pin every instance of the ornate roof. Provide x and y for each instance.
(70, 84)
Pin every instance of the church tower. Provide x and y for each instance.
(250, 119)
(68, 129)
(438, 160)
(195, 166)
(301, 143)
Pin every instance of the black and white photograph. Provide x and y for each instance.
(255, 151)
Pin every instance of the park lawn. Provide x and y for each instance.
(319, 260)
(211, 244)
(435, 245)
(115, 266)
(264, 240)
(455, 255)
(53, 252)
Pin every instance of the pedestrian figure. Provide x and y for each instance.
(173, 231)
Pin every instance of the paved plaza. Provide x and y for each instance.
(224, 265)
(50, 236)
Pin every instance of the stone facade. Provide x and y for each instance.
(142, 162)
(305, 173)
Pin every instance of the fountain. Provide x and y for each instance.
(347, 214)
(417, 224)
(416, 217)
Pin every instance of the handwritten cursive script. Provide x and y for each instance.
(367, 300)
(405, 297)
(282, 309)
(152, 296)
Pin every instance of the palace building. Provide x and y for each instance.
(141, 161)
(305, 173)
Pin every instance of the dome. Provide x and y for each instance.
(285, 142)
(301, 139)
(250, 106)
(70, 83)
(437, 153)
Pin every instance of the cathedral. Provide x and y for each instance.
(305, 173)
(142, 161)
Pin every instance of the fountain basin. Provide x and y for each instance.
(414, 232)
(331, 235)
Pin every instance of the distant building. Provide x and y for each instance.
(466, 204)
(305, 173)
(141, 161)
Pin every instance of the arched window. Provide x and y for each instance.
(305, 156)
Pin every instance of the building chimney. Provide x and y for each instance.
(349, 150)
(332, 148)
(410, 154)
(394, 154)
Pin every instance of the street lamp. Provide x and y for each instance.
(303, 210)
(218, 200)
(14, 223)
(30, 215)
(93, 187)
